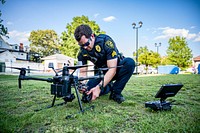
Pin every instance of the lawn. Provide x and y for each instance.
(17, 108)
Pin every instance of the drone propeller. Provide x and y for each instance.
(22, 73)
(23, 68)
(102, 69)
(78, 66)
(75, 67)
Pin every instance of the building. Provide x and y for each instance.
(196, 61)
(58, 61)
(15, 55)
(12, 52)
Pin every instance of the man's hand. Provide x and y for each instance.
(95, 92)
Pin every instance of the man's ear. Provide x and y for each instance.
(92, 37)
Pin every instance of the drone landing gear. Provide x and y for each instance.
(69, 98)
(80, 105)
(88, 108)
(52, 105)
(66, 99)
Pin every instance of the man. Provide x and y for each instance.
(102, 51)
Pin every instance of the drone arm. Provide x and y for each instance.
(86, 78)
(34, 78)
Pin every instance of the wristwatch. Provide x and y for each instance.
(100, 85)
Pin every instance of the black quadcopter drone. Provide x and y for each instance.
(62, 84)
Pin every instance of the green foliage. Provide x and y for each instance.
(165, 61)
(147, 57)
(178, 52)
(44, 42)
(3, 29)
(17, 108)
(69, 45)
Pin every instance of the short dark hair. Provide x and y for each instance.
(82, 30)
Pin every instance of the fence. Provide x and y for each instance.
(25, 64)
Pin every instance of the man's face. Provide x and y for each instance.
(87, 43)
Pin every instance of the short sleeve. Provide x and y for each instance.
(110, 49)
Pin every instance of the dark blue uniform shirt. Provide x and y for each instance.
(104, 49)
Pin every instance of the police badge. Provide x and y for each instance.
(98, 48)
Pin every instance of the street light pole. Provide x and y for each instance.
(137, 51)
(136, 28)
(157, 45)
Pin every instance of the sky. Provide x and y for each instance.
(162, 19)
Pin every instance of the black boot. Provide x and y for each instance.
(116, 97)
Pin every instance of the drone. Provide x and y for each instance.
(61, 85)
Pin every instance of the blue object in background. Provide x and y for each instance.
(175, 70)
(198, 69)
(169, 69)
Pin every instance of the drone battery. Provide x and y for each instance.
(58, 90)
(157, 105)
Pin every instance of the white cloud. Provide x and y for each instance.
(19, 37)
(197, 39)
(191, 36)
(109, 19)
(96, 15)
(168, 32)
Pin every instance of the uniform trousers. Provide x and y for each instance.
(120, 79)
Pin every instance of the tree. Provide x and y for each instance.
(69, 45)
(44, 42)
(178, 52)
(147, 57)
(3, 29)
(165, 60)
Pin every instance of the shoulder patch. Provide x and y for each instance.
(109, 44)
(113, 53)
(98, 48)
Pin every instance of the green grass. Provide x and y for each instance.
(17, 108)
